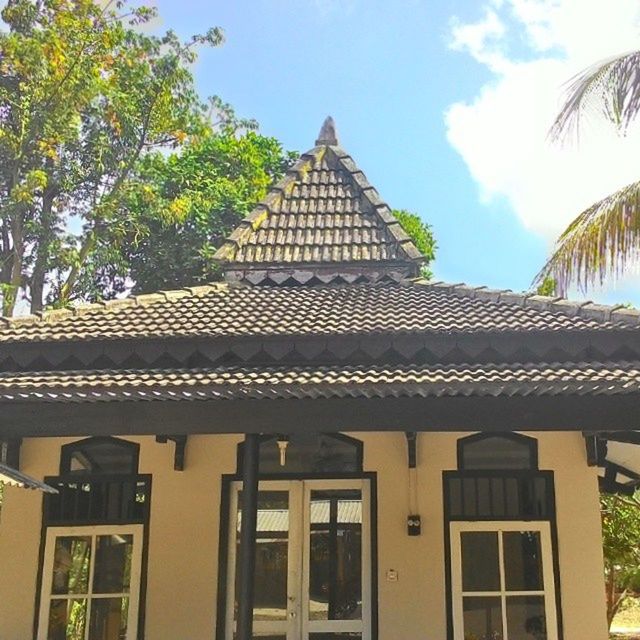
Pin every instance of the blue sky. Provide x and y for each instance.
(426, 99)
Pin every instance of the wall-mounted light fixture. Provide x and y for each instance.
(283, 443)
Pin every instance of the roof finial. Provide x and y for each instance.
(327, 135)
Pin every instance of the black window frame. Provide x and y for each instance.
(67, 450)
(532, 473)
(79, 478)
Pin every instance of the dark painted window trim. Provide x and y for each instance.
(223, 546)
(142, 601)
(531, 443)
(552, 526)
(66, 451)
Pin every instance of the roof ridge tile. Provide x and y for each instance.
(141, 300)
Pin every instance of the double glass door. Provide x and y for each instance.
(313, 561)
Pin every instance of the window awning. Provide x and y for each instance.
(13, 477)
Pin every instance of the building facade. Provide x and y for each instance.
(322, 447)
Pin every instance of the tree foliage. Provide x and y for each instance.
(621, 545)
(84, 94)
(604, 238)
(92, 200)
(421, 234)
(185, 204)
(547, 287)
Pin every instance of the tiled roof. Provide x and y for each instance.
(552, 379)
(324, 212)
(227, 310)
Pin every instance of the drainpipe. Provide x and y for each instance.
(249, 523)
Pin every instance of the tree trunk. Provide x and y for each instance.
(15, 278)
(610, 589)
(43, 251)
(5, 253)
(614, 598)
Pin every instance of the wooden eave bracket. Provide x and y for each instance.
(596, 448)
(180, 443)
(412, 449)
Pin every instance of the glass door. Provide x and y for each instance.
(277, 572)
(313, 572)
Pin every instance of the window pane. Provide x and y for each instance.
(480, 565)
(112, 571)
(335, 571)
(497, 453)
(482, 618)
(109, 618)
(67, 619)
(526, 618)
(99, 456)
(470, 497)
(71, 565)
(272, 555)
(311, 453)
(522, 560)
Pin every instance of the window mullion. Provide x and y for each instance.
(92, 561)
(503, 586)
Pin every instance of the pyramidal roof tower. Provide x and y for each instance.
(323, 223)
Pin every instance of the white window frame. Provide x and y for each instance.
(548, 577)
(91, 531)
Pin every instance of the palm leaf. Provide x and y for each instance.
(599, 243)
(611, 87)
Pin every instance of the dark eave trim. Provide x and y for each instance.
(477, 347)
(564, 413)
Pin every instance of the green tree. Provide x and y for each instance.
(183, 206)
(422, 235)
(186, 203)
(84, 94)
(603, 238)
(621, 545)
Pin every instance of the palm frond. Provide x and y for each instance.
(610, 87)
(599, 243)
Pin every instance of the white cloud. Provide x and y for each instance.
(481, 39)
(532, 48)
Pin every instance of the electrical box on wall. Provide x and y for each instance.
(414, 525)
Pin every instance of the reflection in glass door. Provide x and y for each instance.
(313, 573)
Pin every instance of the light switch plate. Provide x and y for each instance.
(392, 575)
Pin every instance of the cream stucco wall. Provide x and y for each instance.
(185, 524)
